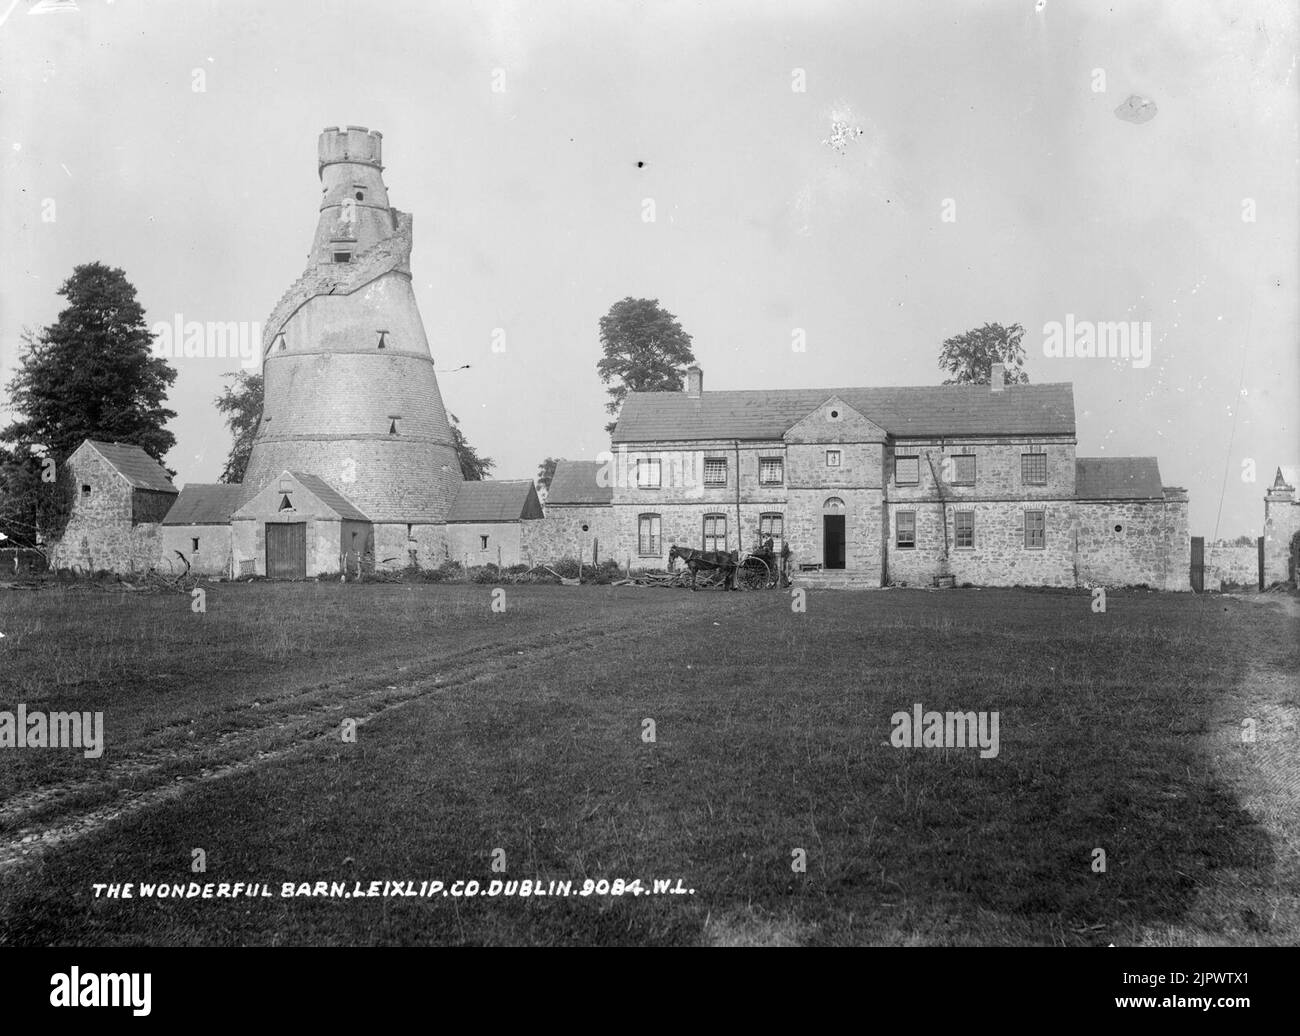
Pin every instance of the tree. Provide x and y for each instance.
(645, 349)
(969, 357)
(89, 375)
(242, 405)
(473, 468)
(35, 498)
(546, 472)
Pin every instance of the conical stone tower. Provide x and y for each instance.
(350, 391)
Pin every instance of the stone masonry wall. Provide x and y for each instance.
(1124, 543)
(561, 535)
(1231, 566)
(213, 558)
(465, 544)
(393, 544)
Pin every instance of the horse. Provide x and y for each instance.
(695, 560)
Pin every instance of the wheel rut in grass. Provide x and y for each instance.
(37, 820)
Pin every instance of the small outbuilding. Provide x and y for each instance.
(486, 521)
(120, 495)
(198, 529)
(299, 526)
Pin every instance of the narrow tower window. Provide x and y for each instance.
(382, 342)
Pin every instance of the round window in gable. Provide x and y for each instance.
(585, 527)
(1119, 528)
(835, 415)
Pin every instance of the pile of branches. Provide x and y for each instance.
(680, 578)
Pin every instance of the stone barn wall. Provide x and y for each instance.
(213, 558)
(393, 545)
(561, 535)
(1135, 543)
(465, 544)
(1231, 566)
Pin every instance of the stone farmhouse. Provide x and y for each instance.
(871, 486)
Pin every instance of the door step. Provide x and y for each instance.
(836, 580)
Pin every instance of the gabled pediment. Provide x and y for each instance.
(835, 421)
(294, 496)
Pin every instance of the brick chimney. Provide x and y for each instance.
(694, 382)
(997, 380)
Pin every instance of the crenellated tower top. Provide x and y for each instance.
(355, 144)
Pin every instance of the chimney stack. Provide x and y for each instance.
(997, 381)
(694, 382)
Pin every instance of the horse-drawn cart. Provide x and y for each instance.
(757, 570)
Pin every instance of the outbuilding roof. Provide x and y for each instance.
(136, 466)
(917, 411)
(495, 502)
(578, 482)
(205, 503)
(1117, 478)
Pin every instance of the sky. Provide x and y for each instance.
(992, 181)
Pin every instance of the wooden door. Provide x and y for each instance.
(1198, 564)
(286, 550)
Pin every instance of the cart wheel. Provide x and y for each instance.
(754, 575)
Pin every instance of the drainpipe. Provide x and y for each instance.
(943, 504)
(736, 444)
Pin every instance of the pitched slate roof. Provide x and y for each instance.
(329, 496)
(495, 502)
(1117, 478)
(926, 410)
(136, 466)
(576, 482)
(207, 503)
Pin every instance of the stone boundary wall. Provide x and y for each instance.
(1235, 565)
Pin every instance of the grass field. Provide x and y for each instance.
(524, 731)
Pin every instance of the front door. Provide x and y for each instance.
(286, 550)
(832, 541)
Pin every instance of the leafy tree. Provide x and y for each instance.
(473, 468)
(969, 357)
(546, 472)
(89, 375)
(645, 349)
(242, 405)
